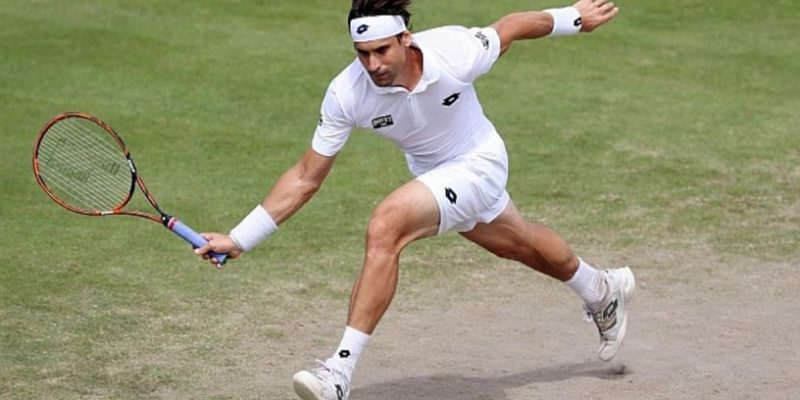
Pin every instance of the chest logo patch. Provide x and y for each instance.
(382, 122)
(450, 100)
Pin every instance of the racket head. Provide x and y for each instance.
(83, 165)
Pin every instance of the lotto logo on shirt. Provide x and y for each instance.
(450, 100)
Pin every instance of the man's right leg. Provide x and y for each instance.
(407, 214)
(606, 294)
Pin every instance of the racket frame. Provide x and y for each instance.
(168, 221)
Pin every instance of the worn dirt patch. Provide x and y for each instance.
(700, 328)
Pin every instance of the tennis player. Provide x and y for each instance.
(417, 91)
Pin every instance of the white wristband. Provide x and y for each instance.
(254, 228)
(566, 21)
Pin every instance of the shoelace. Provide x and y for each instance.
(326, 373)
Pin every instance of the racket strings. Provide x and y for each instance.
(83, 166)
(87, 194)
(68, 173)
(79, 170)
(104, 154)
(84, 153)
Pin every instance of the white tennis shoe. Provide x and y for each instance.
(322, 383)
(611, 315)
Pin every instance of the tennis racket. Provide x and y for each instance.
(85, 167)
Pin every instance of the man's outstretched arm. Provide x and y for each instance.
(583, 16)
(292, 190)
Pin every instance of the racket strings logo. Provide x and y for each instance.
(111, 166)
(71, 173)
(62, 168)
(83, 175)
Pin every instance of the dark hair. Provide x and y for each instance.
(368, 8)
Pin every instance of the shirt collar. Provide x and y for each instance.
(430, 74)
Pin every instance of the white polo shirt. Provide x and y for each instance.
(439, 120)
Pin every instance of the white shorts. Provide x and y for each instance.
(470, 188)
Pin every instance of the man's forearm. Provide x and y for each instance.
(292, 190)
(583, 16)
(297, 185)
(289, 194)
(522, 25)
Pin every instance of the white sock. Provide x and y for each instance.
(352, 345)
(588, 283)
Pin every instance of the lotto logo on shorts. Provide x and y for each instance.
(451, 195)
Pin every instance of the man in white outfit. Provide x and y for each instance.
(417, 91)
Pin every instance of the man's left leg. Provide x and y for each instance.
(606, 294)
(407, 214)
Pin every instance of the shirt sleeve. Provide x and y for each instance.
(466, 53)
(334, 125)
(483, 50)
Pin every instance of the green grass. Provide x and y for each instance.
(675, 128)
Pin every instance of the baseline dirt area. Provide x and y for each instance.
(717, 331)
(699, 329)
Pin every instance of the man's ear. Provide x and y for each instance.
(405, 39)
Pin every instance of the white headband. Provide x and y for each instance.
(376, 27)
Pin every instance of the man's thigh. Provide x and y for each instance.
(410, 212)
(467, 193)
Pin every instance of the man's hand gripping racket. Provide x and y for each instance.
(217, 243)
(85, 167)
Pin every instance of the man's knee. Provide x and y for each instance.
(382, 234)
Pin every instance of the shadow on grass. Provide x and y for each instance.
(442, 387)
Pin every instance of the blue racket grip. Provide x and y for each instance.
(189, 235)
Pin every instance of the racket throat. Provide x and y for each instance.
(168, 221)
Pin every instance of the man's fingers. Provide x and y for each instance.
(596, 13)
(612, 13)
(204, 249)
(606, 8)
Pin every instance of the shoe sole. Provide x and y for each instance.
(627, 295)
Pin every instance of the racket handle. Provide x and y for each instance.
(188, 234)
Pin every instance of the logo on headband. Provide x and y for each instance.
(362, 28)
